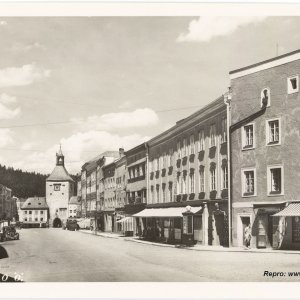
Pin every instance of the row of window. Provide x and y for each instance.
(273, 134)
(185, 184)
(35, 219)
(185, 149)
(136, 171)
(274, 181)
(30, 212)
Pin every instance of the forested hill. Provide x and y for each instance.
(23, 184)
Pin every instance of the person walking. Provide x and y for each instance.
(247, 236)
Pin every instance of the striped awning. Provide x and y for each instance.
(170, 212)
(292, 210)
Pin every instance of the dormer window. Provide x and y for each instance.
(293, 84)
(265, 97)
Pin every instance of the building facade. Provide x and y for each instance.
(136, 189)
(59, 190)
(34, 212)
(265, 158)
(188, 167)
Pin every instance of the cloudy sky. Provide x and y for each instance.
(100, 83)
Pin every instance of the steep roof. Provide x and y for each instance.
(35, 203)
(59, 173)
(92, 164)
(74, 200)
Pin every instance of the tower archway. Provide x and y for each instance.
(57, 223)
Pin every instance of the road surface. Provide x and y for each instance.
(55, 255)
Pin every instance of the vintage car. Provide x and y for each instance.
(9, 233)
(71, 224)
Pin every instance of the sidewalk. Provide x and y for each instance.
(195, 247)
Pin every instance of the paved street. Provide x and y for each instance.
(58, 255)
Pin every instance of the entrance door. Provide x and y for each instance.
(198, 232)
(245, 221)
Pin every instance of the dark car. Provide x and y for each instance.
(71, 225)
(9, 233)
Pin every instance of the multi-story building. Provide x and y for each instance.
(6, 205)
(188, 167)
(92, 187)
(34, 212)
(136, 189)
(121, 183)
(265, 156)
(74, 207)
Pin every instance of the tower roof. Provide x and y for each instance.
(60, 173)
(59, 153)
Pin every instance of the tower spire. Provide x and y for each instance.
(60, 157)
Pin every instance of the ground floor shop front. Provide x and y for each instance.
(205, 224)
(275, 225)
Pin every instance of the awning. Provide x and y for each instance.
(292, 210)
(169, 212)
(124, 220)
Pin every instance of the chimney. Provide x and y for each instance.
(121, 152)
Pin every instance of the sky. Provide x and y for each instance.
(94, 84)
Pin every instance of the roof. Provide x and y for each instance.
(59, 173)
(278, 60)
(292, 210)
(203, 113)
(169, 212)
(74, 200)
(91, 164)
(35, 203)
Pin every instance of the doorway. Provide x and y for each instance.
(57, 223)
(198, 232)
(242, 221)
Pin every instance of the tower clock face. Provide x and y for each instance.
(56, 187)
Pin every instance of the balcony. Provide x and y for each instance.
(135, 179)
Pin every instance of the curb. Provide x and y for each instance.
(234, 249)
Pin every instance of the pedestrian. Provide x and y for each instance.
(247, 236)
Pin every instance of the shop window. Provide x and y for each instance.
(293, 84)
(177, 223)
(273, 132)
(248, 136)
(275, 180)
(248, 182)
(265, 99)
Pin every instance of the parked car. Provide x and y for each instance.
(9, 233)
(85, 224)
(71, 225)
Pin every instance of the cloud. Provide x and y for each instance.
(5, 137)
(206, 28)
(138, 118)
(28, 47)
(78, 149)
(21, 76)
(7, 113)
(3, 23)
(28, 146)
(125, 105)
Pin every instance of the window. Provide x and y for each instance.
(184, 148)
(56, 187)
(248, 182)
(273, 132)
(36, 219)
(224, 131)
(30, 212)
(265, 99)
(201, 140)
(25, 219)
(212, 179)
(224, 177)
(157, 193)
(192, 182)
(192, 144)
(178, 186)
(183, 184)
(201, 180)
(212, 135)
(178, 150)
(164, 193)
(275, 180)
(293, 84)
(25, 212)
(41, 219)
(248, 136)
(170, 192)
